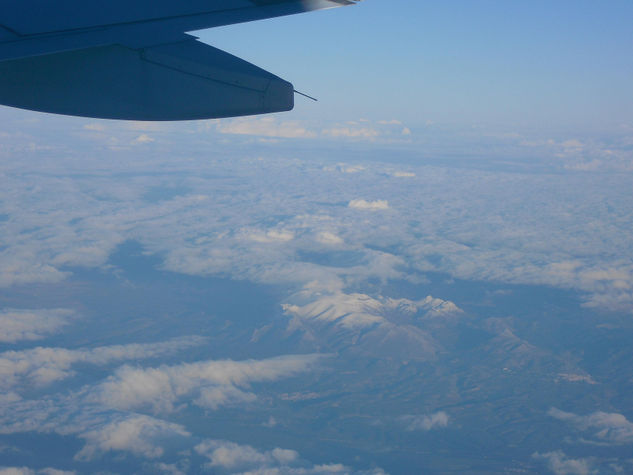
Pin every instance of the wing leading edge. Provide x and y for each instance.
(137, 63)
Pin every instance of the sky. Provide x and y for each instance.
(537, 65)
(427, 271)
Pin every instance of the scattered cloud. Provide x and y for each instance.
(207, 384)
(601, 427)
(329, 238)
(20, 325)
(425, 422)
(577, 378)
(271, 422)
(266, 127)
(138, 434)
(225, 455)
(399, 174)
(30, 471)
(344, 168)
(270, 236)
(559, 464)
(369, 205)
(41, 366)
(171, 468)
(143, 138)
(95, 127)
(351, 132)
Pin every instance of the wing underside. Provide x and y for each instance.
(133, 60)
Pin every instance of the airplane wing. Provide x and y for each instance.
(132, 59)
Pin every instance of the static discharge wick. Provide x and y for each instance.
(305, 95)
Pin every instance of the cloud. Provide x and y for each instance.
(458, 221)
(208, 384)
(271, 236)
(104, 416)
(577, 378)
(363, 133)
(95, 127)
(231, 455)
(137, 434)
(329, 238)
(604, 427)
(399, 174)
(265, 126)
(171, 469)
(42, 366)
(142, 139)
(30, 471)
(369, 205)
(560, 464)
(425, 422)
(226, 455)
(18, 325)
(344, 168)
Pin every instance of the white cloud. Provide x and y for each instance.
(246, 459)
(30, 471)
(145, 126)
(231, 455)
(42, 366)
(265, 126)
(362, 133)
(462, 222)
(103, 416)
(19, 325)
(170, 468)
(329, 238)
(559, 464)
(95, 127)
(271, 422)
(426, 422)
(577, 378)
(137, 434)
(605, 427)
(399, 174)
(211, 383)
(54, 471)
(143, 138)
(369, 205)
(271, 236)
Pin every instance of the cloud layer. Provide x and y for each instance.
(19, 325)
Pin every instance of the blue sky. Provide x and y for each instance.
(542, 65)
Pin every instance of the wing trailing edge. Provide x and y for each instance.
(178, 81)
